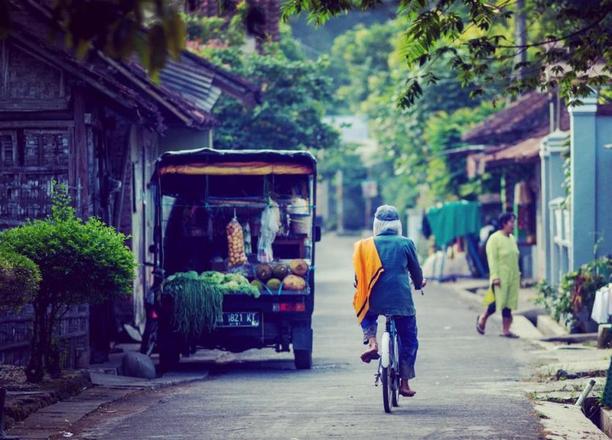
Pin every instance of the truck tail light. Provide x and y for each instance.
(289, 307)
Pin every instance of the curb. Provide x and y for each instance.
(566, 422)
(58, 418)
(521, 325)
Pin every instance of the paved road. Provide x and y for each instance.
(467, 385)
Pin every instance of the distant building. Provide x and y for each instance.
(525, 145)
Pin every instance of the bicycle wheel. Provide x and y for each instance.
(385, 358)
(394, 372)
(386, 388)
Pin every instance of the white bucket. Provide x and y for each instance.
(301, 224)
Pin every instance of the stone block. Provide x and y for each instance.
(549, 327)
(138, 365)
(604, 336)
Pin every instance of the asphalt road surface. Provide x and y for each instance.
(467, 385)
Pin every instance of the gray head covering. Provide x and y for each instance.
(387, 218)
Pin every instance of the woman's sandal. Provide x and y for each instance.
(479, 328)
(510, 335)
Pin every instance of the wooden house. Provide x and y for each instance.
(97, 125)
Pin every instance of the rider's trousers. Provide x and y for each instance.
(408, 343)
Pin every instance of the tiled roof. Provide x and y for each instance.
(524, 118)
(188, 90)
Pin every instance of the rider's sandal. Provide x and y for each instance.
(409, 393)
(510, 335)
(369, 355)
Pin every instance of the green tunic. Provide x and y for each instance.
(503, 255)
(392, 295)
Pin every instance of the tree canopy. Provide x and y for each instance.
(296, 90)
(562, 44)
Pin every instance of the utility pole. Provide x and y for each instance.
(340, 201)
(520, 36)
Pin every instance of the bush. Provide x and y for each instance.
(80, 262)
(19, 280)
(572, 302)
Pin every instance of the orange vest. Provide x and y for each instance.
(368, 269)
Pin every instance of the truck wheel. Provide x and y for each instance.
(303, 359)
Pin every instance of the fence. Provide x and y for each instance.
(72, 335)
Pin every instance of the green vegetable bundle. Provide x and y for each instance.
(234, 283)
(198, 302)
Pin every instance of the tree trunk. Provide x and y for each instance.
(35, 370)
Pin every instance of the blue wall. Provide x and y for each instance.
(604, 184)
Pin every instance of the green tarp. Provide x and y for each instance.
(454, 219)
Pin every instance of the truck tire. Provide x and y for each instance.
(303, 359)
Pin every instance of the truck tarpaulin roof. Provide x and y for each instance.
(207, 161)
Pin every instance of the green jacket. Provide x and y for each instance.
(392, 295)
(503, 256)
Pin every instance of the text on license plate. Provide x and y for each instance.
(240, 319)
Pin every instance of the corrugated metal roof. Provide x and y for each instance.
(191, 82)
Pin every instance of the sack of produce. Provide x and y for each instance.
(235, 243)
(293, 282)
(298, 267)
(270, 225)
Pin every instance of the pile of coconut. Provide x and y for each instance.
(290, 276)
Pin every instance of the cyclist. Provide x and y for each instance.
(382, 264)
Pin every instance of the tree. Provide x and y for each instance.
(412, 153)
(568, 46)
(296, 91)
(80, 262)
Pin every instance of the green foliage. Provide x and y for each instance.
(368, 67)
(296, 92)
(446, 174)
(473, 38)
(19, 280)
(576, 290)
(80, 262)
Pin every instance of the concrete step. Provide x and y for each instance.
(549, 327)
(522, 327)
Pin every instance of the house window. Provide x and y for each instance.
(30, 159)
(8, 148)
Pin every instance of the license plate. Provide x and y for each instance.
(240, 319)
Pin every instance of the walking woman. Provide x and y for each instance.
(383, 264)
(502, 256)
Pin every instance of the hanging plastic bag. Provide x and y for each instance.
(235, 243)
(270, 225)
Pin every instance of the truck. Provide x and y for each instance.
(270, 197)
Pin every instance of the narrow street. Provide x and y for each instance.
(467, 385)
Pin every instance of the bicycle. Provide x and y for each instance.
(388, 364)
